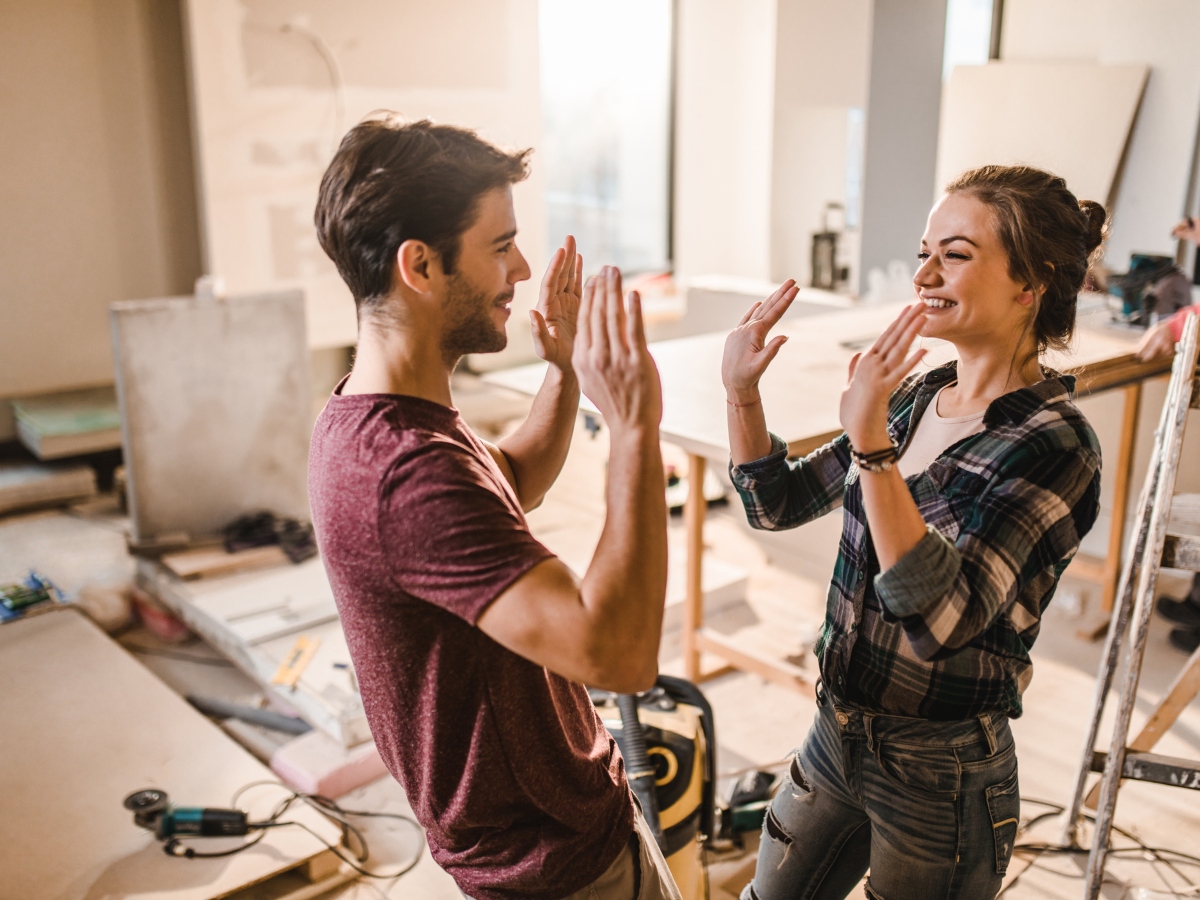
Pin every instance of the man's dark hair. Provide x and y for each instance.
(392, 181)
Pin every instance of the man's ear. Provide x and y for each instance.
(417, 266)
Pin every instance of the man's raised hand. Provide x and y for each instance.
(747, 350)
(554, 321)
(615, 370)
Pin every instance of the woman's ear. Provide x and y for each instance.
(1029, 294)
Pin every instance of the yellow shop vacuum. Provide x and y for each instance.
(666, 737)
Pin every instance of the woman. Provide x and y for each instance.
(966, 492)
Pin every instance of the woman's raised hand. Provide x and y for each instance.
(747, 350)
(874, 375)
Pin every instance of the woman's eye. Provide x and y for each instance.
(922, 256)
(953, 255)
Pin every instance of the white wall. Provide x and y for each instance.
(1164, 34)
(95, 182)
(268, 118)
(822, 58)
(903, 113)
(725, 73)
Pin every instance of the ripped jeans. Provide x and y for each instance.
(930, 808)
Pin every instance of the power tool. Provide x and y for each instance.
(154, 811)
(666, 737)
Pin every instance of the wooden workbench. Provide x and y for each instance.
(82, 725)
(800, 394)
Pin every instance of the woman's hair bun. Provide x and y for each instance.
(1096, 217)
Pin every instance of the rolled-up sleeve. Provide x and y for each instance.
(1030, 521)
(778, 494)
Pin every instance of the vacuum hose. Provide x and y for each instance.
(638, 769)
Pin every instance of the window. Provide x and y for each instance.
(606, 72)
(968, 34)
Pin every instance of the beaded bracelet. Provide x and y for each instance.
(878, 461)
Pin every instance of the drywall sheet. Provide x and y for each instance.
(216, 408)
(1155, 178)
(84, 725)
(1073, 119)
(276, 83)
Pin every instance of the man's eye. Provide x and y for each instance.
(507, 247)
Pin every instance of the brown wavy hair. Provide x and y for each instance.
(1050, 238)
(391, 181)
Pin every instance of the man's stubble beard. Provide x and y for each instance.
(470, 327)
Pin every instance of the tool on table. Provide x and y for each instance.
(296, 661)
(263, 529)
(153, 810)
(1163, 540)
(827, 273)
(349, 670)
(267, 718)
(1153, 289)
(35, 592)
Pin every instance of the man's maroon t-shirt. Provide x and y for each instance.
(520, 788)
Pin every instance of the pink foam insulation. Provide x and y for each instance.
(315, 763)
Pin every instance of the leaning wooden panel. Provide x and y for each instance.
(83, 724)
(216, 411)
(1013, 112)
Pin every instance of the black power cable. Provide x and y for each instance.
(1153, 855)
(328, 808)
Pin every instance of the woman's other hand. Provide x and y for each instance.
(747, 350)
(874, 375)
(1158, 342)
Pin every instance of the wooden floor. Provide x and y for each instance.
(757, 724)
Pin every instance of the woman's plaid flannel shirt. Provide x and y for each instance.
(945, 633)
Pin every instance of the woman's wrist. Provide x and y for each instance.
(743, 396)
(868, 443)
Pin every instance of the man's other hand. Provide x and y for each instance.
(554, 320)
(615, 370)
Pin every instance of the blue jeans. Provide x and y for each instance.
(930, 808)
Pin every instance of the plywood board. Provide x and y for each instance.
(216, 407)
(276, 83)
(83, 724)
(1073, 119)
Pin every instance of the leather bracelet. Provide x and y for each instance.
(878, 461)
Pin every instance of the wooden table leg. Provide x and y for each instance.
(1123, 472)
(693, 608)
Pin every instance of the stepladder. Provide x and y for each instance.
(1166, 534)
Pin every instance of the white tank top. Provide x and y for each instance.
(934, 434)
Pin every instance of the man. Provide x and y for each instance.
(1159, 341)
(471, 641)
